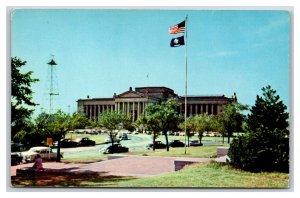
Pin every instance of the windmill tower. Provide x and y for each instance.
(52, 64)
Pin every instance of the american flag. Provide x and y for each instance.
(178, 28)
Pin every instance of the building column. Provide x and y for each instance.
(90, 112)
(196, 109)
(128, 108)
(212, 109)
(95, 111)
(191, 109)
(133, 111)
(138, 111)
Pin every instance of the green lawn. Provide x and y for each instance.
(210, 175)
(199, 151)
(99, 139)
(204, 175)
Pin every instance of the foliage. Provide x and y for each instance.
(113, 121)
(190, 127)
(21, 96)
(79, 121)
(266, 146)
(203, 123)
(268, 113)
(231, 119)
(162, 117)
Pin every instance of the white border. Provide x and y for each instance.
(184, 4)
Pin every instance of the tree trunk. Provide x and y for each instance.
(58, 151)
(111, 138)
(228, 138)
(200, 139)
(167, 142)
(223, 138)
(153, 148)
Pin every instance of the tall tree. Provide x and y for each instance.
(190, 127)
(232, 118)
(203, 123)
(163, 117)
(113, 121)
(268, 113)
(21, 96)
(149, 122)
(266, 146)
(79, 121)
(58, 125)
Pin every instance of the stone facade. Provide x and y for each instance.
(133, 102)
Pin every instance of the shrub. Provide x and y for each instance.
(266, 146)
(253, 153)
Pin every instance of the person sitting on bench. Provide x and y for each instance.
(38, 163)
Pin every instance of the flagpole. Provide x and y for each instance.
(185, 99)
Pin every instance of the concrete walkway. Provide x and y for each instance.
(137, 166)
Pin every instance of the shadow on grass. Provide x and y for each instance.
(68, 179)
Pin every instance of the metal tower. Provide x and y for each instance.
(52, 64)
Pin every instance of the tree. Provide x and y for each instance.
(266, 146)
(203, 123)
(268, 113)
(231, 119)
(162, 117)
(190, 127)
(79, 121)
(113, 121)
(149, 122)
(58, 125)
(21, 96)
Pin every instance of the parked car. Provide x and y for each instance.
(123, 136)
(16, 149)
(85, 142)
(157, 145)
(116, 148)
(45, 152)
(195, 143)
(176, 143)
(68, 143)
(16, 158)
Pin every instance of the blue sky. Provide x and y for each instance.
(102, 52)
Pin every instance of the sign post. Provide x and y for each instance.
(49, 143)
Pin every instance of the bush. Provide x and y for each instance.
(253, 153)
(266, 146)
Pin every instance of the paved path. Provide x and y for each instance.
(138, 166)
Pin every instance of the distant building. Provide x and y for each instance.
(133, 102)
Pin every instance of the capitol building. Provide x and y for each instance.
(133, 102)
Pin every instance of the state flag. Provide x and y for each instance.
(179, 28)
(177, 42)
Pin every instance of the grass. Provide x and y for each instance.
(204, 175)
(84, 157)
(199, 151)
(210, 175)
(99, 139)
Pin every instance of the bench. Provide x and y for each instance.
(30, 172)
